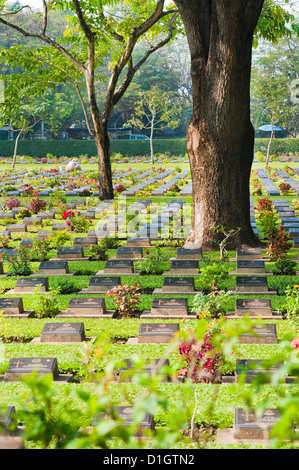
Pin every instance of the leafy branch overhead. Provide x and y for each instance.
(96, 32)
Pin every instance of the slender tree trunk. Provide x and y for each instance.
(220, 137)
(151, 141)
(102, 142)
(14, 159)
(105, 173)
(269, 145)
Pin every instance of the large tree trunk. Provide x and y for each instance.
(105, 174)
(100, 132)
(220, 137)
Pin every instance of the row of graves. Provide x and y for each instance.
(169, 302)
(270, 188)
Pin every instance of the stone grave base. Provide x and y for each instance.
(61, 378)
(52, 273)
(18, 292)
(130, 258)
(227, 436)
(38, 341)
(160, 290)
(86, 290)
(243, 273)
(82, 258)
(263, 258)
(182, 272)
(273, 316)
(173, 316)
(112, 273)
(270, 291)
(11, 442)
(25, 314)
(232, 379)
(65, 314)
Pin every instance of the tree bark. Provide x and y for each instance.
(220, 137)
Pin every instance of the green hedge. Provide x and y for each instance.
(75, 148)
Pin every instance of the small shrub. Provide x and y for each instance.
(212, 305)
(37, 205)
(285, 267)
(4, 241)
(277, 246)
(59, 238)
(67, 286)
(151, 263)
(264, 204)
(98, 252)
(12, 202)
(45, 304)
(212, 275)
(19, 264)
(268, 221)
(201, 360)
(285, 187)
(292, 301)
(40, 250)
(23, 213)
(126, 298)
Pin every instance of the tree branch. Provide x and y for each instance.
(90, 130)
(85, 27)
(47, 40)
(113, 96)
(45, 17)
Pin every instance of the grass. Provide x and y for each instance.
(17, 335)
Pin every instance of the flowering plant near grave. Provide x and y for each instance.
(67, 214)
(45, 305)
(212, 275)
(28, 191)
(268, 221)
(119, 188)
(4, 241)
(37, 205)
(264, 204)
(200, 358)
(59, 238)
(40, 250)
(151, 263)
(23, 213)
(78, 223)
(292, 301)
(285, 187)
(126, 298)
(19, 264)
(277, 246)
(12, 202)
(212, 305)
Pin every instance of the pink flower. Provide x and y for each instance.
(208, 239)
(295, 343)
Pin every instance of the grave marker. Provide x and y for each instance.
(80, 306)
(157, 332)
(254, 307)
(169, 307)
(62, 333)
(247, 426)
